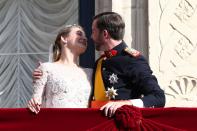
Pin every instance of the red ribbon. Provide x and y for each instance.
(110, 53)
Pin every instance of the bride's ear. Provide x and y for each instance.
(64, 40)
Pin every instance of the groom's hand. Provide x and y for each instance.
(37, 74)
(111, 107)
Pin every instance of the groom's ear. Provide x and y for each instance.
(64, 40)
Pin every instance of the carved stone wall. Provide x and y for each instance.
(173, 48)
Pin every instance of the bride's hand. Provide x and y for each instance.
(34, 105)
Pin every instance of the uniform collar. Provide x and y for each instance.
(117, 50)
(110, 53)
(120, 47)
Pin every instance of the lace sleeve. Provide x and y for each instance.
(39, 84)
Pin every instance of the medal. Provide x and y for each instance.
(113, 78)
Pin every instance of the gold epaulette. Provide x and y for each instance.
(132, 52)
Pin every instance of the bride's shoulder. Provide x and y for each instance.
(47, 65)
(88, 70)
(89, 73)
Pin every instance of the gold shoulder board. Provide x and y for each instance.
(132, 52)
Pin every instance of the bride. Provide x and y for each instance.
(63, 83)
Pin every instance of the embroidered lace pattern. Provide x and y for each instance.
(63, 87)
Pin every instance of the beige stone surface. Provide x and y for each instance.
(173, 47)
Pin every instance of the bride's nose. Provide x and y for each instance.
(85, 38)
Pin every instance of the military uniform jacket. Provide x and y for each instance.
(132, 77)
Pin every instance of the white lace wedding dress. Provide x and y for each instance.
(63, 87)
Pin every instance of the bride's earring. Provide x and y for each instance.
(65, 41)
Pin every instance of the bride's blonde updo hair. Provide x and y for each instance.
(64, 32)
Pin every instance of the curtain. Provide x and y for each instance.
(27, 29)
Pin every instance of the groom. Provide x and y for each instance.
(122, 76)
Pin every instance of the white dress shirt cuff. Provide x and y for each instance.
(137, 103)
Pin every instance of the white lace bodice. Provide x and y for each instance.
(63, 87)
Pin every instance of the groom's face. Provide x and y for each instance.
(97, 36)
